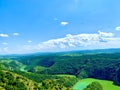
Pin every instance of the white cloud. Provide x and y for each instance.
(15, 34)
(104, 34)
(83, 41)
(99, 40)
(4, 43)
(80, 41)
(63, 23)
(4, 35)
(29, 41)
(117, 28)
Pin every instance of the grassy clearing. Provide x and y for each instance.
(107, 85)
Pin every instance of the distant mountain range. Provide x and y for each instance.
(92, 51)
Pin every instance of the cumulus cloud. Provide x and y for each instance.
(63, 23)
(117, 28)
(4, 35)
(104, 34)
(15, 34)
(99, 40)
(81, 41)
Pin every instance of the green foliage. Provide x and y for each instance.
(51, 81)
(62, 83)
(100, 66)
(36, 77)
(10, 65)
(94, 86)
(12, 81)
(106, 84)
(44, 67)
(52, 85)
(117, 77)
(82, 74)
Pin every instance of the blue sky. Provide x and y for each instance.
(42, 25)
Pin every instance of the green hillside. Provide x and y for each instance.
(61, 71)
(12, 81)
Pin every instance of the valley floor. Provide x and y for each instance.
(107, 85)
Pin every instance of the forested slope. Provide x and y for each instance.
(43, 69)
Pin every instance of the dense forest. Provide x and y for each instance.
(43, 70)
(12, 81)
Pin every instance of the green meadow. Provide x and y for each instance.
(107, 85)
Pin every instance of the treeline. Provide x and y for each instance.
(18, 80)
(100, 66)
(50, 82)
(44, 67)
(94, 86)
